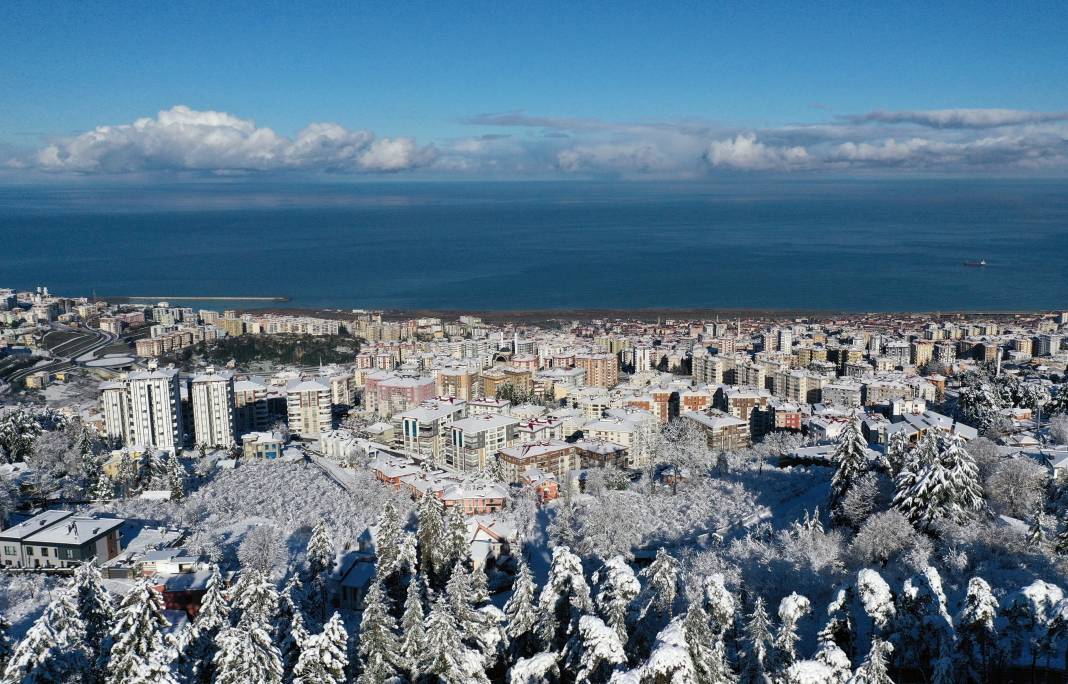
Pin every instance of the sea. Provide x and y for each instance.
(785, 244)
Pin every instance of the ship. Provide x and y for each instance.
(977, 264)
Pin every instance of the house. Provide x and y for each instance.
(183, 591)
(262, 445)
(356, 577)
(544, 484)
(60, 539)
(491, 540)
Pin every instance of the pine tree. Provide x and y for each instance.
(520, 611)
(443, 653)
(256, 598)
(874, 668)
(839, 627)
(430, 534)
(976, 634)
(596, 652)
(247, 654)
(456, 541)
(103, 489)
(1036, 532)
(706, 648)
(176, 478)
(199, 650)
(618, 589)
(563, 600)
(294, 639)
(462, 603)
(138, 646)
(758, 645)
(53, 649)
(321, 557)
(413, 645)
(963, 475)
(1061, 546)
(791, 609)
(662, 584)
(388, 541)
(851, 455)
(153, 470)
(379, 649)
(324, 657)
(897, 452)
(6, 647)
(95, 607)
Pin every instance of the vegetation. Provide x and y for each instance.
(303, 350)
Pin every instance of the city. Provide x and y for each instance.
(196, 449)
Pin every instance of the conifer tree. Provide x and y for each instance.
(791, 609)
(246, 654)
(455, 542)
(292, 644)
(462, 603)
(413, 644)
(321, 557)
(706, 648)
(443, 652)
(138, 646)
(199, 650)
(325, 656)
(388, 540)
(962, 474)
(851, 455)
(662, 584)
(520, 611)
(1036, 532)
(430, 534)
(874, 669)
(619, 587)
(976, 633)
(176, 478)
(95, 606)
(563, 600)
(379, 650)
(758, 645)
(897, 452)
(6, 646)
(53, 650)
(256, 599)
(1061, 545)
(596, 652)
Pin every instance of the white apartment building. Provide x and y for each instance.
(425, 428)
(211, 394)
(250, 407)
(308, 403)
(145, 408)
(475, 440)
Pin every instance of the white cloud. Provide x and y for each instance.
(961, 118)
(183, 139)
(745, 153)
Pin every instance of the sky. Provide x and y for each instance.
(503, 90)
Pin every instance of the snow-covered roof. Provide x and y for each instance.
(37, 523)
(75, 531)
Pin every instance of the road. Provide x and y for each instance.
(67, 352)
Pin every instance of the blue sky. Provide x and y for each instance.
(597, 88)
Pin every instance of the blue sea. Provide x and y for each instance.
(851, 245)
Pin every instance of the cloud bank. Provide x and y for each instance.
(183, 139)
(516, 144)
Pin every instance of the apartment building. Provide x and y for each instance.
(144, 408)
(310, 408)
(211, 395)
(476, 440)
(550, 456)
(602, 370)
(722, 432)
(250, 407)
(425, 429)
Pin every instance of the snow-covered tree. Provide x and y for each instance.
(877, 604)
(324, 657)
(520, 613)
(563, 600)
(839, 627)
(1036, 530)
(262, 550)
(292, 644)
(1017, 486)
(19, 430)
(979, 401)
(851, 457)
(661, 584)
(176, 478)
(597, 651)
(963, 475)
(446, 658)
(1061, 544)
(791, 609)
(321, 551)
(380, 652)
(758, 642)
(53, 649)
(95, 606)
(413, 642)
(705, 647)
(256, 598)
(617, 588)
(719, 603)
(897, 452)
(247, 654)
(924, 628)
(430, 534)
(455, 542)
(199, 641)
(976, 632)
(138, 650)
(874, 670)
(388, 541)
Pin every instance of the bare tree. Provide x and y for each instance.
(1017, 486)
(262, 549)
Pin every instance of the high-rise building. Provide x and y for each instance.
(602, 370)
(144, 408)
(250, 407)
(308, 403)
(212, 396)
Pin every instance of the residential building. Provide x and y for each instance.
(212, 397)
(550, 456)
(60, 539)
(477, 439)
(309, 406)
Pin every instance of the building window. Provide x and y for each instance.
(44, 552)
(9, 550)
(29, 550)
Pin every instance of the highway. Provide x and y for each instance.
(66, 353)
